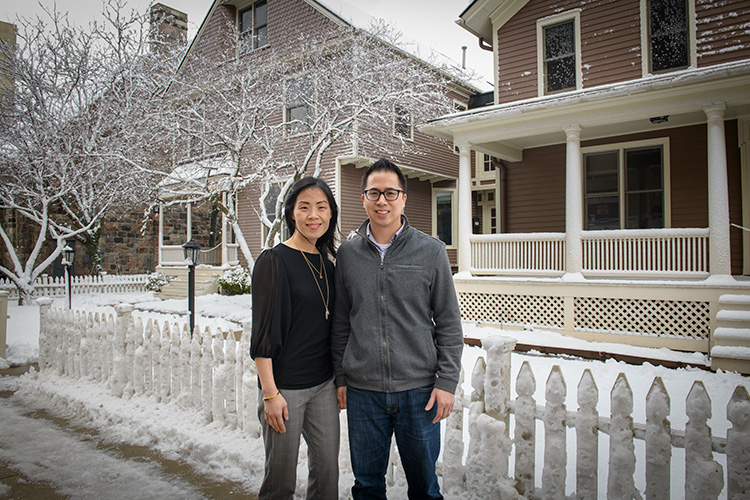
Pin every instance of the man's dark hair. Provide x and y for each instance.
(383, 165)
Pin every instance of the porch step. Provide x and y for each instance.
(735, 302)
(730, 340)
(724, 336)
(205, 281)
(732, 318)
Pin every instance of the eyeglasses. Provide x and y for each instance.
(374, 194)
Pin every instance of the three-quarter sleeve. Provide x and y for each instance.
(271, 304)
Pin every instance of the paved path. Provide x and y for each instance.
(120, 468)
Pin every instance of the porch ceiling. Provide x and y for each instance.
(506, 130)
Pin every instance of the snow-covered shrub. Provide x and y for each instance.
(234, 281)
(156, 281)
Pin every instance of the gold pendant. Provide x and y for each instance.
(326, 314)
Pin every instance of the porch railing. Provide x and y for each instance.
(172, 255)
(664, 252)
(514, 254)
(650, 252)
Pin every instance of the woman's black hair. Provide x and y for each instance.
(325, 243)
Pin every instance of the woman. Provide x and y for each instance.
(292, 294)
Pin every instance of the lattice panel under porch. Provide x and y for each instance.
(518, 310)
(660, 318)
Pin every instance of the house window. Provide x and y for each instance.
(299, 112)
(253, 27)
(669, 37)
(485, 169)
(402, 126)
(195, 136)
(443, 218)
(558, 59)
(625, 188)
(274, 190)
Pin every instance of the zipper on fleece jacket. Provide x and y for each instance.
(381, 298)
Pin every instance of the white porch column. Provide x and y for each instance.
(464, 207)
(161, 231)
(224, 233)
(573, 200)
(718, 193)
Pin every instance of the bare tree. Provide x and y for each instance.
(274, 116)
(66, 133)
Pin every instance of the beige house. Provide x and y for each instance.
(603, 192)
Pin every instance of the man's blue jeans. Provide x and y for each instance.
(373, 418)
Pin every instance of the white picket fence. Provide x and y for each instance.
(50, 286)
(213, 372)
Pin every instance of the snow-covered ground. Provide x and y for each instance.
(225, 453)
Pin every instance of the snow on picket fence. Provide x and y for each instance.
(51, 286)
(214, 373)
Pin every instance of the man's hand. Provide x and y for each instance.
(444, 401)
(276, 412)
(341, 396)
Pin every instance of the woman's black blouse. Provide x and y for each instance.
(289, 318)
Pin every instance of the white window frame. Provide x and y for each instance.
(646, 47)
(480, 173)
(243, 48)
(409, 137)
(287, 106)
(541, 24)
(263, 229)
(621, 147)
(454, 214)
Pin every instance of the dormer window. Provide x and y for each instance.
(669, 37)
(253, 29)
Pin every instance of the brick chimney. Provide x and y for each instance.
(168, 25)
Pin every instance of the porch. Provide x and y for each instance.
(669, 287)
(650, 288)
(181, 222)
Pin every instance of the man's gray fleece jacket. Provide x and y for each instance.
(396, 323)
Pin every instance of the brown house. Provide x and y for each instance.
(613, 173)
(250, 28)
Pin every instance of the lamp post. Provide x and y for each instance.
(191, 251)
(69, 255)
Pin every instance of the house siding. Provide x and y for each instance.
(722, 33)
(611, 49)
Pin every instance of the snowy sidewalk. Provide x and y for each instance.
(46, 455)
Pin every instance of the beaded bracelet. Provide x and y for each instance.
(278, 391)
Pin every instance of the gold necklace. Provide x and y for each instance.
(320, 273)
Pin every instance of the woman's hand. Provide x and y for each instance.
(341, 396)
(276, 413)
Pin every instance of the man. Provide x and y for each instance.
(396, 340)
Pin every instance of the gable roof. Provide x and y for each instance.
(343, 13)
(482, 17)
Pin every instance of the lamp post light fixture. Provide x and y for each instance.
(69, 255)
(191, 251)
